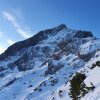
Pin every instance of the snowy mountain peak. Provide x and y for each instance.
(61, 26)
(48, 65)
(42, 35)
(31, 41)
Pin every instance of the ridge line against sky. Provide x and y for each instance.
(21, 19)
(21, 31)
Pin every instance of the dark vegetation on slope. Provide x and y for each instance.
(96, 64)
(78, 88)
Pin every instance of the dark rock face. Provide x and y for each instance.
(83, 34)
(1, 68)
(52, 68)
(86, 57)
(31, 41)
(25, 62)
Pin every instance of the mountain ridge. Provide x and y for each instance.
(45, 66)
(32, 41)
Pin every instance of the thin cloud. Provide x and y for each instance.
(11, 18)
(1, 33)
(2, 50)
(10, 41)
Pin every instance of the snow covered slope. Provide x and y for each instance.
(44, 66)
